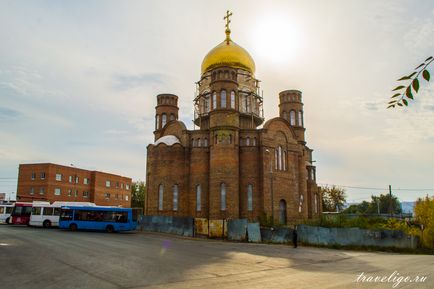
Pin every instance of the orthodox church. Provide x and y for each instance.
(234, 164)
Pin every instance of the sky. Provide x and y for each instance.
(79, 79)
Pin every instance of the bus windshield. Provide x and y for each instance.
(22, 211)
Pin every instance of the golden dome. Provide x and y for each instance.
(228, 53)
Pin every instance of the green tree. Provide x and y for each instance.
(333, 198)
(138, 194)
(403, 93)
(378, 203)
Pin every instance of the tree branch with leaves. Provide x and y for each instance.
(404, 92)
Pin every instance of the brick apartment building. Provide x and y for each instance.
(233, 164)
(51, 182)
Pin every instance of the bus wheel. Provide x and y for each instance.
(46, 224)
(73, 227)
(109, 229)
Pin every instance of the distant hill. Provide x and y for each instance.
(408, 207)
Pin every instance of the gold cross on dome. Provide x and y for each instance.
(228, 14)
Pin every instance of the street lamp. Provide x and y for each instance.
(271, 184)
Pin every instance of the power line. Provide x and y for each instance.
(368, 188)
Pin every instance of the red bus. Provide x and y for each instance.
(21, 213)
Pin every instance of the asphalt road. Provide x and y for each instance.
(49, 258)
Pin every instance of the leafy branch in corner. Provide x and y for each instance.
(403, 92)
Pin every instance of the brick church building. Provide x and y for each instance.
(234, 164)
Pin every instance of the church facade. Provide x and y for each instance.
(234, 165)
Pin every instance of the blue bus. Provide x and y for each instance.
(108, 219)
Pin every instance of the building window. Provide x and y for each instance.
(106, 196)
(247, 141)
(127, 186)
(32, 191)
(285, 115)
(250, 198)
(85, 194)
(117, 185)
(223, 99)
(172, 117)
(300, 206)
(214, 100)
(223, 196)
(207, 104)
(284, 160)
(33, 176)
(193, 141)
(198, 198)
(276, 157)
(292, 117)
(58, 177)
(43, 176)
(163, 120)
(254, 141)
(86, 181)
(122, 185)
(175, 197)
(57, 191)
(160, 197)
(205, 142)
(316, 204)
(233, 99)
(76, 179)
(76, 194)
(107, 184)
(126, 198)
(157, 122)
(300, 118)
(69, 192)
(70, 179)
(199, 142)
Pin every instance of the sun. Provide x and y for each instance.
(276, 39)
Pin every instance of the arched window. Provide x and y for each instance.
(316, 204)
(232, 99)
(248, 104)
(172, 117)
(207, 104)
(160, 197)
(276, 158)
(279, 154)
(247, 141)
(250, 198)
(199, 142)
(163, 120)
(254, 141)
(205, 142)
(214, 100)
(285, 115)
(300, 118)
(198, 198)
(193, 142)
(175, 197)
(157, 121)
(223, 99)
(292, 117)
(222, 196)
(284, 160)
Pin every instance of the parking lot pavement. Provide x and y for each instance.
(39, 258)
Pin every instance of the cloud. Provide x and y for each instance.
(124, 82)
(7, 114)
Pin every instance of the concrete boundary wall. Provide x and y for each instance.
(355, 237)
(183, 226)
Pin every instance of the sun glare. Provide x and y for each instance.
(276, 39)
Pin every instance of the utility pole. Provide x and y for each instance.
(390, 201)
